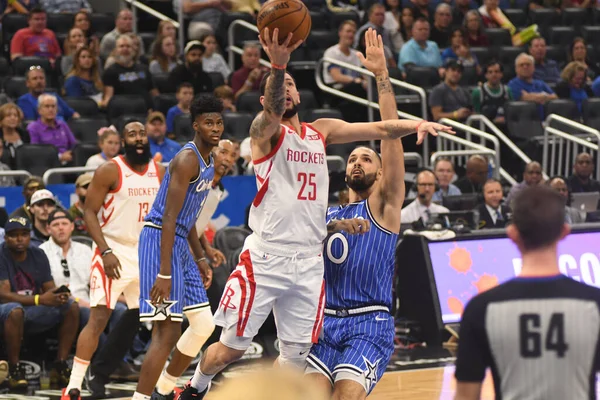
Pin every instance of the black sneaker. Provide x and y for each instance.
(16, 377)
(191, 393)
(60, 374)
(157, 396)
(94, 384)
(74, 394)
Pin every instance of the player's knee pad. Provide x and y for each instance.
(200, 329)
(293, 354)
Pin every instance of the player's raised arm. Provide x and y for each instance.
(105, 179)
(267, 123)
(184, 168)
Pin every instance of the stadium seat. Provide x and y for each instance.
(336, 164)
(126, 104)
(517, 16)
(83, 240)
(85, 106)
(240, 34)
(508, 54)
(163, 102)
(336, 18)
(82, 152)
(322, 39)
(233, 259)
(230, 239)
(591, 112)
(523, 119)
(469, 77)
(60, 22)
(319, 20)
(575, 17)
(37, 158)
(544, 18)
(217, 79)
(560, 35)
(86, 129)
(565, 108)
(425, 77)
(5, 70)
(307, 100)
(182, 126)
(11, 23)
(102, 23)
(162, 84)
(249, 102)
(15, 87)
(314, 114)
(557, 53)
(147, 39)
(591, 34)
(22, 64)
(483, 54)
(237, 124)
(498, 37)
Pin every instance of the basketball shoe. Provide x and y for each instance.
(191, 393)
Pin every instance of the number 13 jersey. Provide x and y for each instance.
(293, 191)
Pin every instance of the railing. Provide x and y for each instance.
(16, 173)
(135, 4)
(64, 171)
(235, 49)
(561, 148)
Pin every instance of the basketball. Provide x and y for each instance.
(286, 15)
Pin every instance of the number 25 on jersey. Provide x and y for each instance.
(308, 189)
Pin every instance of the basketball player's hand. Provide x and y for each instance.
(217, 258)
(279, 54)
(353, 226)
(374, 52)
(112, 266)
(206, 273)
(431, 128)
(160, 291)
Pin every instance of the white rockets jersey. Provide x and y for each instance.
(124, 209)
(210, 206)
(293, 190)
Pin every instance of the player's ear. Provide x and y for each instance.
(566, 229)
(513, 234)
(262, 100)
(195, 126)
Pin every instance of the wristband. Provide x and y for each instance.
(36, 299)
(163, 276)
(76, 299)
(419, 124)
(197, 260)
(277, 66)
(455, 114)
(107, 251)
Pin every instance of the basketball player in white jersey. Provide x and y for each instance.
(119, 197)
(281, 266)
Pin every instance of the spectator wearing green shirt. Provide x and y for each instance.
(489, 98)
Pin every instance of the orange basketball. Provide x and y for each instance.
(286, 15)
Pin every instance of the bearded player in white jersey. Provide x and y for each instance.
(281, 266)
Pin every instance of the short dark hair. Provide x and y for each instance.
(421, 19)
(538, 216)
(263, 82)
(205, 103)
(491, 63)
(374, 151)
(36, 10)
(184, 85)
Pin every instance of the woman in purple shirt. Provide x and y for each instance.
(48, 130)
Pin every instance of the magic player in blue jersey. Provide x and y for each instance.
(358, 331)
(170, 284)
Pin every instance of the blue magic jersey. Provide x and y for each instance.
(195, 196)
(358, 268)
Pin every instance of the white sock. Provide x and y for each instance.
(166, 383)
(77, 374)
(201, 381)
(139, 396)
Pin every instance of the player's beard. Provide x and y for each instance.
(361, 183)
(291, 112)
(138, 159)
(81, 199)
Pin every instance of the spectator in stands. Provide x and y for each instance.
(489, 98)
(212, 60)
(376, 15)
(164, 55)
(421, 9)
(457, 39)
(585, 4)
(525, 87)
(573, 84)
(422, 207)
(11, 133)
(545, 70)
(109, 142)
(126, 77)
(50, 130)
(581, 180)
(30, 186)
(444, 172)
(35, 79)
(135, 50)
(5, 181)
(572, 215)
(537, 4)
(393, 23)
(156, 130)
(486, 11)
(29, 300)
(339, 77)
(492, 214)
(460, 10)
(83, 79)
(75, 41)
(225, 93)
(440, 30)
(578, 52)
(166, 28)
(406, 22)
(474, 30)
(205, 15)
(532, 176)
(35, 40)
(65, 6)
(123, 25)
(83, 22)
(191, 71)
(76, 210)
(420, 51)
(475, 177)
(185, 95)
(249, 76)
(448, 99)
(42, 204)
